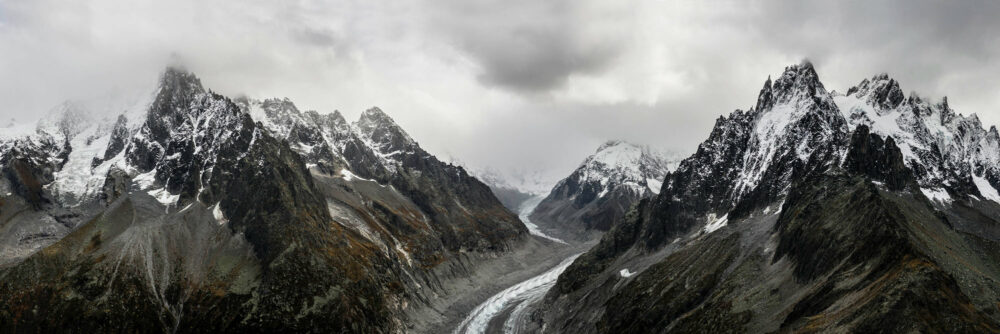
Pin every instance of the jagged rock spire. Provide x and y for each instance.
(880, 91)
(797, 82)
(765, 99)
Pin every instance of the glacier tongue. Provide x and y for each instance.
(525, 213)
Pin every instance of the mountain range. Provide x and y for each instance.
(814, 211)
(183, 210)
(191, 212)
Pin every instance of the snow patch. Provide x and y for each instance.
(219, 216)
(145, 180)
(348, 176)
(625, 273)
(406, 255)
(716, 224)
(654, 185)
(163, 196)
(986, 189)
(937, 195)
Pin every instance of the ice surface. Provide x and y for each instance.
(526, 208)
(527, 291)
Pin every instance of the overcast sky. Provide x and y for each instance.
(534, 85)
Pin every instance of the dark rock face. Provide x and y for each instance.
(185, 132)
(837, 238)
(881, 160)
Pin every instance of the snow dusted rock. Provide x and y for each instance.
(462, 210)
(952, 155)
(603, 187)
(451, 202)
(383, 135)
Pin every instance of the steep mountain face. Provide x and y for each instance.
(434, 207)
(188, 214)
(604, 186)
(465, 211)
(800, 216)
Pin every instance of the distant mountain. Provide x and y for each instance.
(513, 188)
(189, 211)
(814, 211)
(604, 186)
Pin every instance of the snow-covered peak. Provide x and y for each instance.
(795, 116)
(619, 154)
(797, 84)
(618, 163)
(605, 185)
(374, 120)
(380, 132)
(279, 116)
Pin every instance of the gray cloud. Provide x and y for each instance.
(530, 46)
(530, 85)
